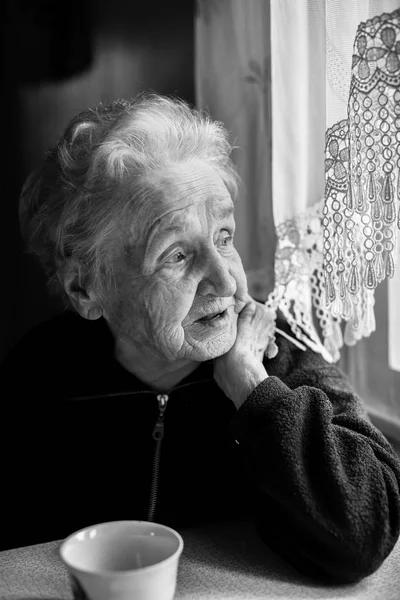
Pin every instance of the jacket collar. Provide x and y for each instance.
(90, 344)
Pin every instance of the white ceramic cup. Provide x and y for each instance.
(121, 560)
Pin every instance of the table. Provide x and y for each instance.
(224, 561)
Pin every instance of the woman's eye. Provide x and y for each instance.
(226, 240)
(177, 258)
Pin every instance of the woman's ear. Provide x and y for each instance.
(84, 301)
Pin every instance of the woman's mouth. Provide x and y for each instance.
(214, 318)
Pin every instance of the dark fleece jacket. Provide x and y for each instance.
(300, 456)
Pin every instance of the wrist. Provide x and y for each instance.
(252, 374)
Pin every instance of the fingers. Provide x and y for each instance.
(248, 312)
(245, 298)
(257, 316)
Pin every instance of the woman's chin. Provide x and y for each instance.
(209, 349)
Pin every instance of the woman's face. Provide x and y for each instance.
(182, 266)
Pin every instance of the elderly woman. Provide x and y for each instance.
(151, 396)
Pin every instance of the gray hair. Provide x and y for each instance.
(71, 209)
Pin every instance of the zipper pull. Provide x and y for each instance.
(158, 431)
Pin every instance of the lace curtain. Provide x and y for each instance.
(310, 91)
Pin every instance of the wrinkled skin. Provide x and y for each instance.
(172, 278)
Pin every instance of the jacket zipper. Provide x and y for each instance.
(158, 434)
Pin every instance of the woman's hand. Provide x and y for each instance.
(241, 369)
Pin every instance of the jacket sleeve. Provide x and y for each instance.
(326, 480)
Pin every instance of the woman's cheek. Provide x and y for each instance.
(169, 303)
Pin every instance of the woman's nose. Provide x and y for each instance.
(217, 278)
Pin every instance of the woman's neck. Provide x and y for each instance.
(155, 372)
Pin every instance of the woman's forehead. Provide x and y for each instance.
(173, 191)
(195, 178)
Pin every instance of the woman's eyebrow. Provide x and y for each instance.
(226, 212)
(221, 214)
(158, 236)
(162, 229)
(170, 227)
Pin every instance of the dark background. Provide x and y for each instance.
(58, 60)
